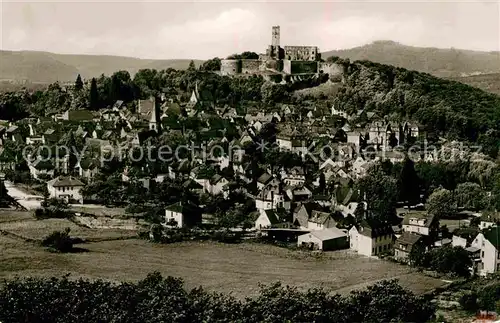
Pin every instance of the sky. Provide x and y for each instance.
(204, 29)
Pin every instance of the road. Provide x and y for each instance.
(28, 201)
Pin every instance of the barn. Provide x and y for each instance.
(327, 239)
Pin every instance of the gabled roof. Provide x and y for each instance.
(265, 178)
(429, 218)
(181, 207)
(65, 181)
(319, 217)
(409, 238)
(374, 229)
(12, 129)
(328, 234)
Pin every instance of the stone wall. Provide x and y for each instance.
(306, 53)
(230, 66)
(300, 67)
(250, 66)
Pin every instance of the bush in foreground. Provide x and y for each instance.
(158, 299)
(59, 241)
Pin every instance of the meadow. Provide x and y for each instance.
(233, 268)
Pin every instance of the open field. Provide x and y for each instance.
(38, 229)
(218, 267)
(24, 225)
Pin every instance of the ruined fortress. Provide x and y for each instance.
(291, 61)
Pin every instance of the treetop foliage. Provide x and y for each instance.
(158, 299)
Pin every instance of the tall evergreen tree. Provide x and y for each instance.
(192, 67)
(78, 83)
(409, 183)
(94, 95)
(114, 89)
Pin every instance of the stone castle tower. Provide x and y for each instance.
(276, 36)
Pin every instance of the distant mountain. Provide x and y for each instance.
(486, 82)
(437, 61)
(45, 67)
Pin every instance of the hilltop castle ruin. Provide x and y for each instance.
(287, 60)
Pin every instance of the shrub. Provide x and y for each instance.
(59, 240)
(158, 299)
(468, 301)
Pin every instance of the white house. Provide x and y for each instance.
(284, 142)
(371, 240)
(216, 184)
(271, 198)
(420, 223)
(266, 219)
(488, 220)
(489, 244)
(67, 188)
(87, 168)
(320, 221)
(182, 215)
(294, 176)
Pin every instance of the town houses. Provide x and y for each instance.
(288, 170)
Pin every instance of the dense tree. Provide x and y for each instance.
(470, 196)
(211, 65)
(191, 67)
(5, 198)
(78, 83)
(380, 191)
(244, 55)
(409, 183)
(441, 203)
(158, 299)
(94, 95)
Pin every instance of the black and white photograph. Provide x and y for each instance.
(249, 161)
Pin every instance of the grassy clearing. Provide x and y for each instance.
(29, 228)
(228, 268)
(219, 267)
(8, 215)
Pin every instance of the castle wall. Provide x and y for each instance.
(230, 66)
(301, 53)
(300, 67)
(335, 71)
(249, 66)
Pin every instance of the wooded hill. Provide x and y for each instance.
(48, 67)
(440, 62)
(45, 67)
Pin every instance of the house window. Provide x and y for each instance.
(482, 254)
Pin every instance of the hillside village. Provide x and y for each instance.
(307, 174)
